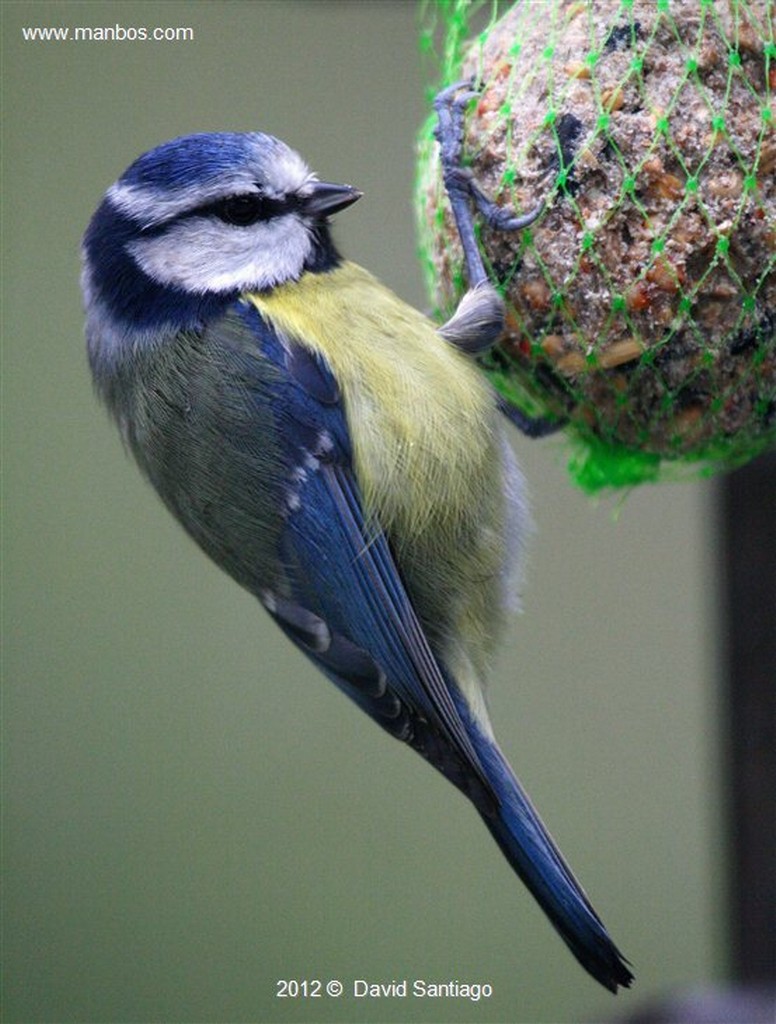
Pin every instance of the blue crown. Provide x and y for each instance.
(198, 159)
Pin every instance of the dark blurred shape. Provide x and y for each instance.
(747, 625)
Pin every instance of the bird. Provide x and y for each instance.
(334, 450)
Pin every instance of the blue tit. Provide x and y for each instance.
(330, 449)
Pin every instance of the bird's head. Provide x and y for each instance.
(200, 219)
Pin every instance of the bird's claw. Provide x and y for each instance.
(450, 106)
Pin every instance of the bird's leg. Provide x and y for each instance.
(450, 106)
(478, 322)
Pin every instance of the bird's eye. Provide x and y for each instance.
(243, 210)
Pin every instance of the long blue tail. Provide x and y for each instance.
(531, 851)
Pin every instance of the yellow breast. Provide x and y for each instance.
(420, 415)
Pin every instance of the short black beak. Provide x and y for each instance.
(327, 198)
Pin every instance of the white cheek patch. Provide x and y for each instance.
(202, 254)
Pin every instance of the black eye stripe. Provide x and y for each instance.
(247, 208)
(239, 210)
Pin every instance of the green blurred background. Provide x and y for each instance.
(191, 812)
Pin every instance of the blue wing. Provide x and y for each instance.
(340, 597)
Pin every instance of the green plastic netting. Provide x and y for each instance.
(642, 303)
